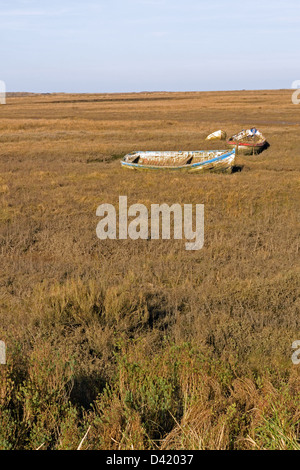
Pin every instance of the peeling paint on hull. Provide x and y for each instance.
(193, 161)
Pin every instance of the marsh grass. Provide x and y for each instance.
(143, 344)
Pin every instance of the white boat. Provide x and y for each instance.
(218, 135)
(248, 141)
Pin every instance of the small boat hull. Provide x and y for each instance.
(246, 149)
(193, 161)
(248, 142)
(218, 135)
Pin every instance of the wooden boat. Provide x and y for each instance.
(218, 135)
(191, 161)
(248, 141)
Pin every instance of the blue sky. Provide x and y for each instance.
(148, 45)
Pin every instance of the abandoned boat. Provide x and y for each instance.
(218, 135)
(191, 161)
(248, 141)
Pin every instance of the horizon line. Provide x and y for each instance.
(140, 92)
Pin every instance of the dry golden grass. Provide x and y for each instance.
(142, 343)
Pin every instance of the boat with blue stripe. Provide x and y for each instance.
(190, 161)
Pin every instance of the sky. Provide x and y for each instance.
(107, 46)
